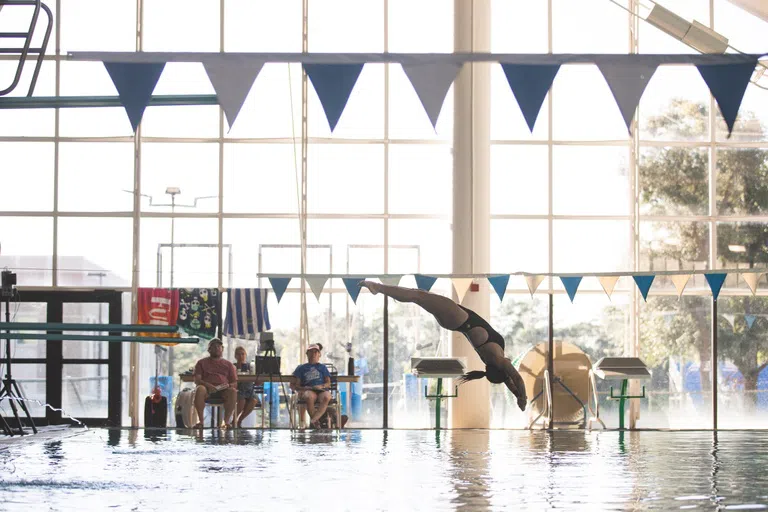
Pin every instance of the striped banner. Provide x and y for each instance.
(246, 313)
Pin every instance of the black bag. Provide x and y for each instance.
(267, 365)
(156, 414)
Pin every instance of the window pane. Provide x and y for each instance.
(90, 79)
(744, 30)
(363, 116)
(420, 27)
(87, 25)
(345, 178)
(262, 26)
(193, 266)
(87, 313)
(35, 312)
(674, 246)
(27, 122)
(249, 256)
(752, 121)
(590, 245)
(340, 234)
(433, 237)
(27, 172)
(31, 381)
(675, 106)
(407, 119)
(741, 181)
(518, 26)
(182, 121)
(583, 106)
(524, 323)
(89, 245)
(577, 171)
(261, 178)
(519, 245)
(675, 345)
(87, 184)
(181, 26)
(84, 390)
(273, 107)
(742, 245)
(192, 167)
(674, 181)
(31, 257)
(420, 179)
(507, 121)
(741, 346)
(589, 26)
(346, 25)
(598, 327)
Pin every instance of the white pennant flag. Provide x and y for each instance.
(680, 281)
(316, 284)
(627, 81)
(431, 82)
(608, 283)
(533, 282)
(232, 77)
(751, 279)
(461, 285)
(391, 280)
(730, 319)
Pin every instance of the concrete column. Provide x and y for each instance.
(471, 196)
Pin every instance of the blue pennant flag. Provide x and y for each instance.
(333, 84)
(350, 283)
(134, 82)
(279, 285)
(424, 282)
(499, 284)
(644, 284)
(530, 84)
(715, 283)
(571, 284)
(750, 320)
(728, 83)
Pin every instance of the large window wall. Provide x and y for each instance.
(576, 195)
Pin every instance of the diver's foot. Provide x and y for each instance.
(373, 287)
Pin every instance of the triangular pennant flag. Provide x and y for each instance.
(316, 284)
(333, 84)
(571, 284)
(424, 282)
(730, 319)
(627, 81)
(728, 83)
(608, 283)
(391, 280)
(461, 285)
(751, 279)
(499, 284)
(431, 82)
(644, 284)
(680, 280)
(530, 84)
(350, 283)
(715, 283)
(750, 320)
(533, 283)
(232, 77)
(134, 82)
(279, 285)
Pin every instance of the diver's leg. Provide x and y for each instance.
(447, 313)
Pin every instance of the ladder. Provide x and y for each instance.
(25, 49)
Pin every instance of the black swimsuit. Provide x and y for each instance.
(476, 320)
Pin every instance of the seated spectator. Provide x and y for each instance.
(247, 396)
(215, 377)
(314, 384)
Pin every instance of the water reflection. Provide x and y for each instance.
(470, 477)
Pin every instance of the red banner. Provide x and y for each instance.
(158, 306)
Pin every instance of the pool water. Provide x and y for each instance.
(127, 470)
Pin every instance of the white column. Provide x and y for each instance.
(471, 196)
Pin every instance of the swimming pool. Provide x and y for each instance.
(126, 470)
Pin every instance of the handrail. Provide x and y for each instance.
(592, 394)
(25, 50)
(53, 326)
(95, 337)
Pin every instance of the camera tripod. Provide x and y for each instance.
(10, 389)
